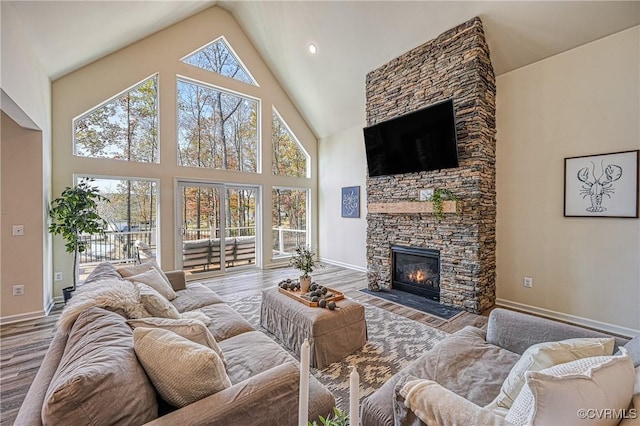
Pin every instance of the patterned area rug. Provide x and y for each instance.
(394, 341)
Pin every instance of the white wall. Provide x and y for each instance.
(342, 162)
(82, 90)
(581, 102)
(26, 98)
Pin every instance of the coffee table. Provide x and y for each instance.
(332, 334)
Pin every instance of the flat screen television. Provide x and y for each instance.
(422, 140)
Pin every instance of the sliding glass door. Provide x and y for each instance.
(217, 227)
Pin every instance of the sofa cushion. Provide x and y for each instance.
(548, 354)
(102, 271)
(99, 379)
(633, 347)
(195, 296)
(225, 322)
(181, 371)
(463, 362)
(153, 279)
(134, 269)
(558, 395)
(191, 329)
(155, 304)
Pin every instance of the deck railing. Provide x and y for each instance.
(286, 240)
(113, 246)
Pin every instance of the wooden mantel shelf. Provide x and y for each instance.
(411, 207)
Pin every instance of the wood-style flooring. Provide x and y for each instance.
(23, 345)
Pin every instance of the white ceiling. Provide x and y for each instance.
(353, 38)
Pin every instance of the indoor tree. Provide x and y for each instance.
(74, 214)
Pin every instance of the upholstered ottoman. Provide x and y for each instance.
(332, 334)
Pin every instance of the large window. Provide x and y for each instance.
(216, 129)
(288, 157)
(131, 214)
(123, 128)
(289, 220)
(218, 57)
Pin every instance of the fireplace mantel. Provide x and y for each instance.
(412, 207)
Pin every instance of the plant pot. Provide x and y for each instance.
(305, 283)
(67, 292)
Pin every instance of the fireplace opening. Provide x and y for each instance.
(416, 270)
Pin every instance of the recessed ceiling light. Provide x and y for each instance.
(313, 49)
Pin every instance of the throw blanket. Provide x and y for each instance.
(114, 295)
(438, 406)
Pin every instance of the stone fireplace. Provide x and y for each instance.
(454, 65)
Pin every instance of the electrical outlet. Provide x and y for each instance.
(57, 276)
(527, 282)
(18, 290)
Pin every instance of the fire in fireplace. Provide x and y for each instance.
(416, 270)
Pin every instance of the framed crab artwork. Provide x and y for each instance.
(603, 185)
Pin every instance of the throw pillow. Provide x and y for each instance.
(181, 371)
(99, 380)
(548, 354)
(191, 329)
(153, 279)
(130, 270)
(561, 394)
(157, 305)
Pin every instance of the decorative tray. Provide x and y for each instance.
(304, 298)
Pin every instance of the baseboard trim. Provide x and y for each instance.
(574, 319)
(11, 319)
(344, 265)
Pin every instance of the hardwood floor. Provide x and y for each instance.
(23, 345)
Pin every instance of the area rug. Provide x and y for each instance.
(413, 301)
(394, 341)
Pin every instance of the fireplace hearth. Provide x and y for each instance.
(416, 270)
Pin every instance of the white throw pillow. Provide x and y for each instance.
(545, 355)
(182, 371)
(575, 392)
(191, 329)
(157, 305)
(153, 279)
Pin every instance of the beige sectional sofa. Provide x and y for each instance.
(466, 371)
(108, 384)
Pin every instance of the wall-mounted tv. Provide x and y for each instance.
(422, 140)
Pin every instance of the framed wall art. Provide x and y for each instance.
(351, 201)
(604, 185)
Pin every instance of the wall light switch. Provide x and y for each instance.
(18, 230)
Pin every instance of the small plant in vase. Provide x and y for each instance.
(304, 260)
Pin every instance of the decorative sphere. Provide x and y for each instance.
(331, 305)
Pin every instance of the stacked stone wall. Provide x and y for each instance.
(454, 65)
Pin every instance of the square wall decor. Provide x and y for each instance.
(604, 185)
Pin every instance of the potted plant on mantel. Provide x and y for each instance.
(73, 215)
(304, 260)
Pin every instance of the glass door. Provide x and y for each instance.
(217, 227)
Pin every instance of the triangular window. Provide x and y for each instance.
(218, 57)
(288, 156)
(125, 127)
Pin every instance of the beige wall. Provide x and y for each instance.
(342, 162)
(160, 53)
(581, 102)
(26, 98)
(22, 256)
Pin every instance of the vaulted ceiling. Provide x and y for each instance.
(353, 37)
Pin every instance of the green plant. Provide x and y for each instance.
(304, 260)
(438, 198)
(75, 214)
(339, 419)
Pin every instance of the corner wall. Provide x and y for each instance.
(26, 98)
(581, 102)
